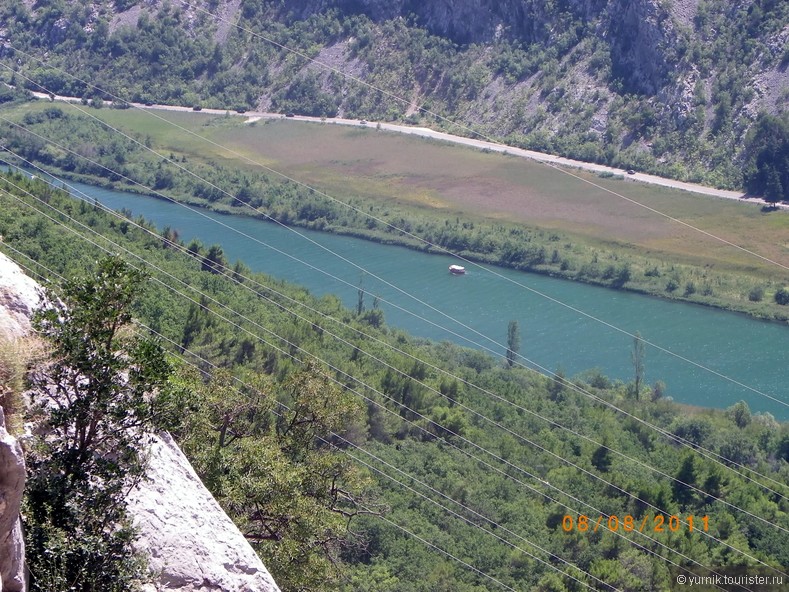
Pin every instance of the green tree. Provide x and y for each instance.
(740, 414)
(513, 342)
(360, 299)
(266, 453)
(766, 170)
(637, 358)
(215, 260)
(686, 479)
(96, 399)
(601, 459)
(557, 385)
(782, 296)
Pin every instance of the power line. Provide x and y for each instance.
(484, 391)
(702, 451)
(421, 483)
(442, 249)
(284, 352)
(465, 128)
(381, 394)
(400, 527)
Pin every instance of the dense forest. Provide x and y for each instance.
(334, 440)
(674, 88)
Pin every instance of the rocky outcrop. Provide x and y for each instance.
(642, 36)
(12, 484)
(463, 21)
(191, 543)
(641, 33)
(19, 297)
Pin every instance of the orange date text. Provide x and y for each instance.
(628, 523)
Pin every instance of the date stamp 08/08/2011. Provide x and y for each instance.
(656, 523)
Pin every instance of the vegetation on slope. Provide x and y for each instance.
(651, 88)
(416, 415)
(767, 166)
(94, 399)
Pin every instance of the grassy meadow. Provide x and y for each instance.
(348, 162)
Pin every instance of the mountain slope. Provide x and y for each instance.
(671, 87)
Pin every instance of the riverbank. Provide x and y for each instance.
(529, 219)
(606, 279)
(252, 117)
(561, 332)
(564, 423)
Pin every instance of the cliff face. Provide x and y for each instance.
(642, 36)
(19, 296)
(12, 484)
(641, 32)
(191, 543)
(670, 87)
(463, 21)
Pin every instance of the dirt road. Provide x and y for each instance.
(549, 159)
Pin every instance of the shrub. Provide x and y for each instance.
(14, 357)
(756, 294)
(782, 296)
(95, 403)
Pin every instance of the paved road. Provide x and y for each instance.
(424, 132)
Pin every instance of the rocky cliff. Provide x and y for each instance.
(19, 297)
(641, 32)
(191, 543)
(463, 21)
(12, 483)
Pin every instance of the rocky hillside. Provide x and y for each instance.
(190, 543)
(667, 86)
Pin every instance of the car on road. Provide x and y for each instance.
(631, 172)
(363, 122)
(289, 115)
(197, 108)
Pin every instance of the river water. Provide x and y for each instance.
(750, 352)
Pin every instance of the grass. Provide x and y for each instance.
(14, 359)
(348, 162)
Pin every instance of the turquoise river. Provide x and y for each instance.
(735, 357)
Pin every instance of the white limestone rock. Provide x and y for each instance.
(192, 544)
(19, 297)
(12, 485)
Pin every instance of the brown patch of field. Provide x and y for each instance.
(348, 162)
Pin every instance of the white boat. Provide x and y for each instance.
(457, 269)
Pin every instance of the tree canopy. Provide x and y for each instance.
(103, 389)
(766, 171)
